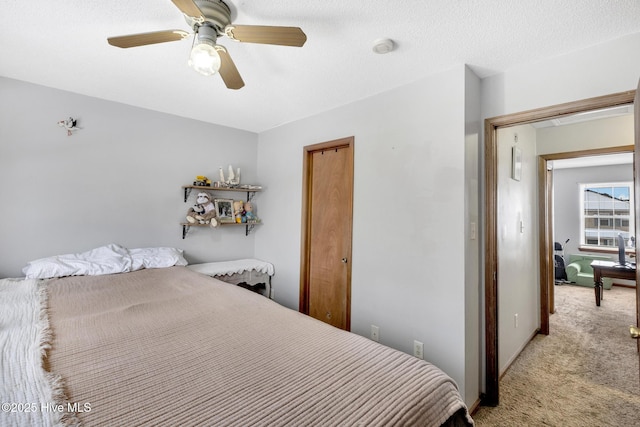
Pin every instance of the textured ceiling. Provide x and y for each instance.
(62, 44)
(605, 160)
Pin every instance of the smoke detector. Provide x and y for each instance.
(383, 46)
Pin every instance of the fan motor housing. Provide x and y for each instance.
(215, 12)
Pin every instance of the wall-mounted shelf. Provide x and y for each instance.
(250, 190)
(248, 226)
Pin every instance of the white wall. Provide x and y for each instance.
(518, 267)
(117, 179)
(603, 69)
(602, 133)
(408, 266)
(566, 199)
(473, 327)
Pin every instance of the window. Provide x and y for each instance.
(606, 210)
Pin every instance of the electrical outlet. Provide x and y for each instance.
(515, 320)
(375, 333)
(418, 349)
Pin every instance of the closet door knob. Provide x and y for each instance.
(344, 260)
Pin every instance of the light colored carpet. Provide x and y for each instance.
(585, 373)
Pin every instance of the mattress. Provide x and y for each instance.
(170, 346)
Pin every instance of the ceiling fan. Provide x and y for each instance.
(209, 20)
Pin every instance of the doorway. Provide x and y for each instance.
(545, 183)
(491, 397)
(327, 216)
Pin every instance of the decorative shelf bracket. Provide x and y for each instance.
(185, 230)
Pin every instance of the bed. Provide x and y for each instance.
(169, 346)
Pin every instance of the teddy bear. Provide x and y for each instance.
(203, 212)
(194, 211)
(238, 210)
(249, 214)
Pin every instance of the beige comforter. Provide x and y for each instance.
(173, 347)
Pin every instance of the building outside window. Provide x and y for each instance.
(606, 210)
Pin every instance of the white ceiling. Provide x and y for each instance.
(604, 113)
(62, 44)
(588, 161)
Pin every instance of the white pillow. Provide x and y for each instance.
(107, 259)
(156, 258)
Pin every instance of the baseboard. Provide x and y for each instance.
(474, 407)
(517, 353)
(624, 285)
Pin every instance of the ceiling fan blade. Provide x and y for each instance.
(189, 8)
(284, 36)
(142, 39)
(228, 70)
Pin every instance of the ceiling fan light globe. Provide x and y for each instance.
(205, 59)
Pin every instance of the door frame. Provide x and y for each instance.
(545, 186)
(305, 235)
(491, 395)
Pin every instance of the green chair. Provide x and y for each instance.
(579, 271)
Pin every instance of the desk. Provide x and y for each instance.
(609, 269)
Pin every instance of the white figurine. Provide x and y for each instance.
(230, 176)
(69, 125)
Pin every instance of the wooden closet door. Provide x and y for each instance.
(326, 282)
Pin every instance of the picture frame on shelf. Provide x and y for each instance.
(224, 211)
